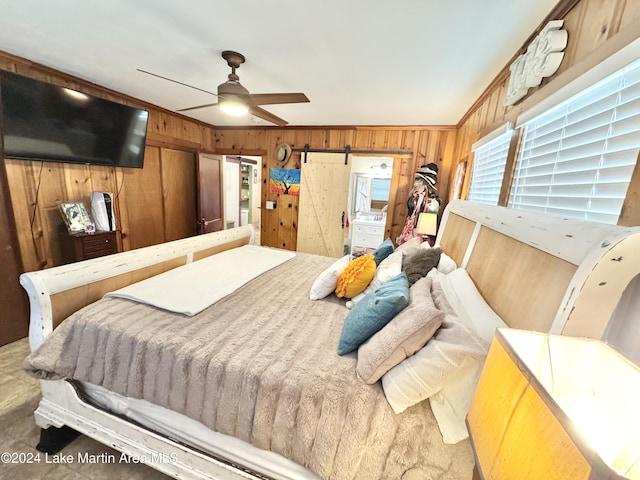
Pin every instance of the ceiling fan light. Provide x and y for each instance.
(233, 106)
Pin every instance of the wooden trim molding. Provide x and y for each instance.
(339, 127)
(163, 141)
(510, 167)
(630, 212)
(236, 152)
(562, 8)
(559, 12)
(241, 159)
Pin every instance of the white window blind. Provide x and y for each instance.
(577, 158)
(489, 161)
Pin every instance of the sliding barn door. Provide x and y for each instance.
(322, 211)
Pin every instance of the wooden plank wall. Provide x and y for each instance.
(279, 226)
(14, 306)
(157, 203)
(596, 29)
(154, 204)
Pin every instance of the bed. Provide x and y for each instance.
(245, 415)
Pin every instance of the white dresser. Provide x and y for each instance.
(366, 235)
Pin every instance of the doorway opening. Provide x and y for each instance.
(369, 190)
(242, 191)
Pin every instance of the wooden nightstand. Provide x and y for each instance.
(75, 248)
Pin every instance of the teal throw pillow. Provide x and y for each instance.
(373, 312)
(385, 249)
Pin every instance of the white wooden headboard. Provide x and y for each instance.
(548, 273)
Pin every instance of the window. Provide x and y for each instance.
(577, 158)
(380, 189)
(489, 160)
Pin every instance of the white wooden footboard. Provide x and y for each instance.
(57, 292)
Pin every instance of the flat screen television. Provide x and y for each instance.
(41, 121)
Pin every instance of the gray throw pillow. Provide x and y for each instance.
(419, 263)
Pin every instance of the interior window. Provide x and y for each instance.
(489, 160)
(577, 158)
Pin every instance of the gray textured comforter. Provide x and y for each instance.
(260, 365)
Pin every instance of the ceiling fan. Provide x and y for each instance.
(233, 98)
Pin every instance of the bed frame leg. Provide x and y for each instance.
(53, 439)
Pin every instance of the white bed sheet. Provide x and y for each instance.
(191, 288)
(190, 432)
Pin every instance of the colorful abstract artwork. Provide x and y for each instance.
(284, 181)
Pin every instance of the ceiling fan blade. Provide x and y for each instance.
(176, 81)
(268, 116)
(276, 98)
(195, 108)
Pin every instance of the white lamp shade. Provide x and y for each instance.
(556, 407)
(427, 224)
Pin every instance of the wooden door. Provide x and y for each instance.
(324, 187)
(210, 201)
(141, 203)
(178, 175)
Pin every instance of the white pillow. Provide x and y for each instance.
(410, 245)
(469, 305)
(428, 245)
(423, 374)
(451, 404)
(390, 267)
(446, 264)
(325, 283)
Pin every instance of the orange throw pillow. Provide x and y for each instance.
(356, 276)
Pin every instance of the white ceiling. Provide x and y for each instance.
(360, 62)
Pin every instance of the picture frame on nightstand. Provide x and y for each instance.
(76, 218)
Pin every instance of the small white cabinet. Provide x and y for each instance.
(366, 235)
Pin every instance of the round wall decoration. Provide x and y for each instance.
(283, 154)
